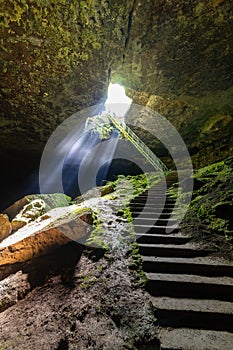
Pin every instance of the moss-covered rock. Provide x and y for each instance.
(179, 47)
(51, 201)
(205, 123)
(209, 217)
(56, 59)
(29, 213)
(178, 62)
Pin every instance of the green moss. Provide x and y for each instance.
(127, 214)
(217, 224)
(100, 268)
(97, 239)
(88, 281)
(173, 191)
(135, 266)
(217, 169)
(210, 211)
(56, 57)
(112, 221)
(100, 126)
(216, 122)
(139, 183)
(53, 200)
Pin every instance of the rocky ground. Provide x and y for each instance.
(71, 297)
(92, 305)
(66, 296)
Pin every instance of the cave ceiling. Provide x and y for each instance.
(174, 56)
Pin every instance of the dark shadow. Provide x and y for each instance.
(40, 269)
(63, 345)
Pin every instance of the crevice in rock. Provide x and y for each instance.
(130, 20)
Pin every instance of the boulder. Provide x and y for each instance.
(41, 236)
(53, 200)
(5, 226)
(29, 213)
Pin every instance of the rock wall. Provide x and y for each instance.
(178, 62)
(58, 56)
(180, 47)
(56, 59)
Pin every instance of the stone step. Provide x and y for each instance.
(187, 304)
(171, 250)
(191, 313)
(149, 209)
(154, 192)
(203, 266)
(153, 206)
(162, 239)
(153, 196)
(152, 214)
(194, 339)
(154, 229)
(190, 286)
(153, 200)
(154, 203)
(161, 191)
(151, 221)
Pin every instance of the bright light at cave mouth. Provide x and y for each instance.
(117, 103)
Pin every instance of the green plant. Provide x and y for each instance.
(135, 266)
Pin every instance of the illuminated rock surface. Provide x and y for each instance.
(57, 58)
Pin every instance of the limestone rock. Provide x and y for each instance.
(15, 208)
(5, 226)
(29, 213)
(49, 231)
(52, 200)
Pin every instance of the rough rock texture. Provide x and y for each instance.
(40, 235)
(43, 235)
(209, 216)
(180, 47)
(29, 213)
(51, 201)
(94, 300)
(178, 62)
(58, 56)
(5, 226)
(205, 123)
(95, 305)
(12, 289)
(56, 59)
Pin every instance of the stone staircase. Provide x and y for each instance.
(191, 290)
